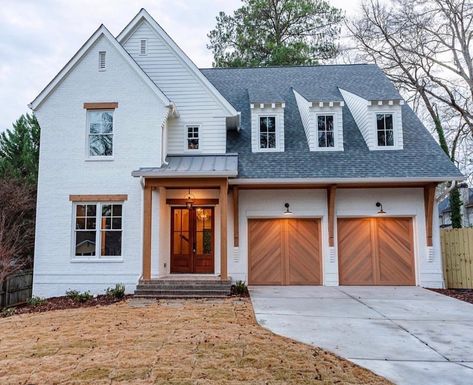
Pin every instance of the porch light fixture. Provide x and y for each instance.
(189, 199)
(287, 212)
(380, 205)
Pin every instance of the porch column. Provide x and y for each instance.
(223, 230)
(147, 222)
(429, 200)
(331, 214)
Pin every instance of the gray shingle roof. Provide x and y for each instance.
(420, 158)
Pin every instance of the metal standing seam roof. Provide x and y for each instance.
(421, 156)
(225, 165)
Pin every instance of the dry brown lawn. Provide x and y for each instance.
(179, 342)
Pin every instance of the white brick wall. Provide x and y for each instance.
(64, 170)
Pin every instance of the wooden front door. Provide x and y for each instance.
(376, 251)
(192, 240)
(284, 252)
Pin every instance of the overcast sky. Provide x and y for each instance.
(38, 37)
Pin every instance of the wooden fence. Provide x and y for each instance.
(457, 252)
(16, 289)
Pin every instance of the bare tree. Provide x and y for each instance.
(424, 46)
(17, 212)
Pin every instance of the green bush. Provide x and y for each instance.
(240, 288)
(77, 296)
(117, 292)
(36, 301)
(7, 312)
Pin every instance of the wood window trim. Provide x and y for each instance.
(101, 106)
(99, 198)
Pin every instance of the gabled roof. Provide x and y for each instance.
(144, 15)
(101, 31)
(421, 159)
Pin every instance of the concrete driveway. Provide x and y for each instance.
(409, 335)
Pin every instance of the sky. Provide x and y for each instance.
(38, 37)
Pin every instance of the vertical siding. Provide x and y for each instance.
(195, 103)
(278, 112)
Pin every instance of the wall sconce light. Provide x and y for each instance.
(189, 199)
(380, 205)
(287, 212)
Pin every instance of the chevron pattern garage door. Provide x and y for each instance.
(376, 251)
(284, 252)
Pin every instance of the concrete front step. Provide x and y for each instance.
(183, 287)
(180, 296)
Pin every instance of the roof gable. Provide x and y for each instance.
(143, 15)
(102, 31)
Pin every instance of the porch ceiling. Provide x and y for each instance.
(224, 165)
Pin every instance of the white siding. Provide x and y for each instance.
(309, 115)
(359, 109)
(194, 102)
(364, 113)
(258, 112)
(64, 170)
(303, 106)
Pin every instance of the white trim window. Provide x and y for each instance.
(97, 230)
(100, 133)
(102, 61)
(325, 131)
(193, 137)
(385, 129)
(267, 132)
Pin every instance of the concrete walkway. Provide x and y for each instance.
(406, 334)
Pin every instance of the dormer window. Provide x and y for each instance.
(192, 137)
(385, 129)
(325, 131)
(143, 47)
(102, 60)
(267, 132)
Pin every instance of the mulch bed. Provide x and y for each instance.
(461, 294)
(61, 303)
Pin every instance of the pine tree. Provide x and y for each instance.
(19, 150)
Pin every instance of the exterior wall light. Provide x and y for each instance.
(189, 199)
(380, 205)
(287, 212)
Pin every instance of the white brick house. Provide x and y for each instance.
(150, 168)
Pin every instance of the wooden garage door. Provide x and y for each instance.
(376, 251)
(284, 252)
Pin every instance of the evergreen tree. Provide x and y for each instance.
(276, 32)
(19, 150)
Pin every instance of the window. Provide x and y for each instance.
(325, 131)
(267, 132)
(143, 47)
(102, 60)
(192, 137)
(100, 125)
(98, 230)
(385, 129)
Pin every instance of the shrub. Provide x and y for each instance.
(240, 288)
(7, 312)
(36, 301)
(77, 296)
(117, 292)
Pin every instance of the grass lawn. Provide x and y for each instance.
(176, 342)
